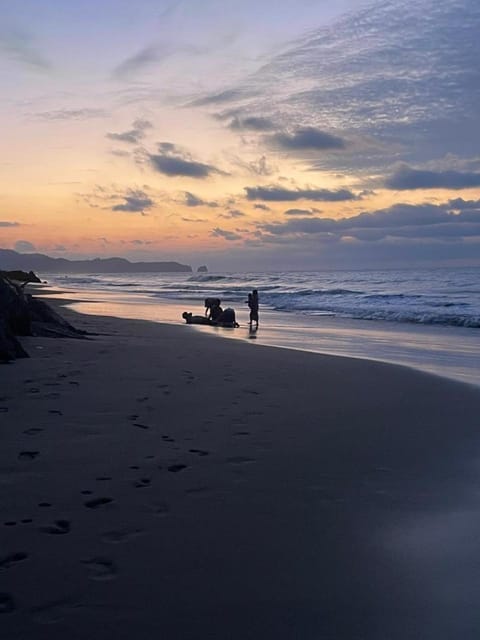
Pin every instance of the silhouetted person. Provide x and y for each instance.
(192, 319)
(227, 318)
(253, 305)
(210, 303)
(215, 312)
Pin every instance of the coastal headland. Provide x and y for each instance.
(159, 482)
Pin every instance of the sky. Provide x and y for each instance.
(286, 134)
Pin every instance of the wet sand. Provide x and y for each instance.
(157, 482)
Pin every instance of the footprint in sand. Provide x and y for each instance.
(175, 468)
(59, 528)
(160, 508)
(54, 612)
(7, 603)
(56, 412)
(12, 559)
(168, 438)
(134, 416)
(33, 431)
(100, 568)
(98, 502)
(103, 478)
(199, 452)
(10, 523)
(44, 504)
(122, 535)
(3, 409)
(241, 433)
(142, 483)
(144, 399)
(28, 455)
(140, 426)
(240, 460)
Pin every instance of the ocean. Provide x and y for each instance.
(426, 319)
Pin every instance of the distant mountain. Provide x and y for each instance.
(39, 263)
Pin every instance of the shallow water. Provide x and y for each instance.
(448, 351)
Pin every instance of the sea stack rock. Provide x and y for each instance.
(202, 269)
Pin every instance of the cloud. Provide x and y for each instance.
(5, 223)
(135, 201)
(133, 135)
(72, 114)
(306, 139)
(192, 200)
(406, 178)
(173, 161)
(185, 219)
(404, 75)
(258, 167)
(171, 166)
(279, 194)
(299, 212)
(136, 63)
(399, 221)
(223, 233)
(20, 47)
(24, 246)
(262, 207)
(232, 213)
(251, 123)
(228, 95)
(460, 204)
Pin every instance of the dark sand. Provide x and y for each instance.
(156, 482)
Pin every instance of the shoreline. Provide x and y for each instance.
(452, 353)
(156, 482)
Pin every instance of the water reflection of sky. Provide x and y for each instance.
(446, 351)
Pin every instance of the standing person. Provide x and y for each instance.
(253, 304)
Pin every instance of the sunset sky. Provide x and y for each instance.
(281, 134)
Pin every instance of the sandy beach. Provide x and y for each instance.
(158, 482)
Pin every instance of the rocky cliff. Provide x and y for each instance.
(23, 315)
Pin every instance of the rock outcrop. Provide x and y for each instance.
(23, 315)
(202, 269)
(20, 276)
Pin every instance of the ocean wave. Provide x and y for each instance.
(472, 322)
(208, 278)
(78, 280)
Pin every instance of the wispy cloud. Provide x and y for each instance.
(192, 200)
(280, 194)
(135, 201)
(20, 47)
(72, 114)
(231, 236)
(232, 213)
(133, 135)
(4, 223)
(139, 61)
